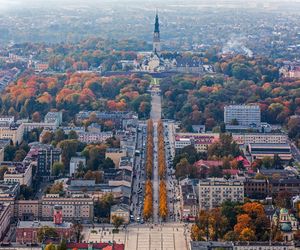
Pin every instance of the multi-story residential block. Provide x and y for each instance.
(54, 117)
(120, 210)
(9, 191)
(201, 141)
(28, 126)
(18, 172)
(261, 150)
(188, 202)
(117, 117)
(27, 210)
(88, 137)
(7, 119)
(5, 218)
(76, 207)
(12, 132)
(119, 177)
(245, 115)
(126, 162)
(115, 154)
(291, 186)
(256, 188)
(47, 156)
(75, 162)
(97, 191)
(266, 138)
(180, 143)
(78, 130)
(214, 191)
(94, 128)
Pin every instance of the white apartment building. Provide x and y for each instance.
(88, 137)
(214, 191)
(28, 126)
(245, 115)
(54, 117)
(201, 141)
(75, 162)
(7, 119)
(267, 138)
(182, 142)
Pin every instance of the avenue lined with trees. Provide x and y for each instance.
(148, 200)
(163, 197)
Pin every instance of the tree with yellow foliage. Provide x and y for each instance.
(148, 200)
(163, 200)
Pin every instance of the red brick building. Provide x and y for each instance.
(27, 231)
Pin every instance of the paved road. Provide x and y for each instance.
(155, 180)
(155, 116)
(155, 107)
(138, 187)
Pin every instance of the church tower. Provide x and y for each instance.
(156, 37)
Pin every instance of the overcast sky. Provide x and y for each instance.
(13, 4)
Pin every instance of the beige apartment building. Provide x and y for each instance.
(267, 138)
(201, 141)
(12, 132)
(76, 207)
(27, 209)
(214, 191)
(18, 172)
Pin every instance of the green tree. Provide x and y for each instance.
(3, 169)
(183, 168)
(102, 207)
(59, 135)
(107, 163)
(9, 152)
(267, 162)
(26, 192)
(117, 221)
(62, 245)
(20, 155)
(224, 147)
(56, 188)
(50, 246)
(72, 135)
(45, 233)
(57, 168)
(69, 149)
(77, 232)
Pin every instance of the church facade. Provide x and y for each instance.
(154, 61)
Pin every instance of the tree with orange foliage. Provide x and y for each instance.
(163, 200)
(243, 221)
(148, 200)
(247, 234)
